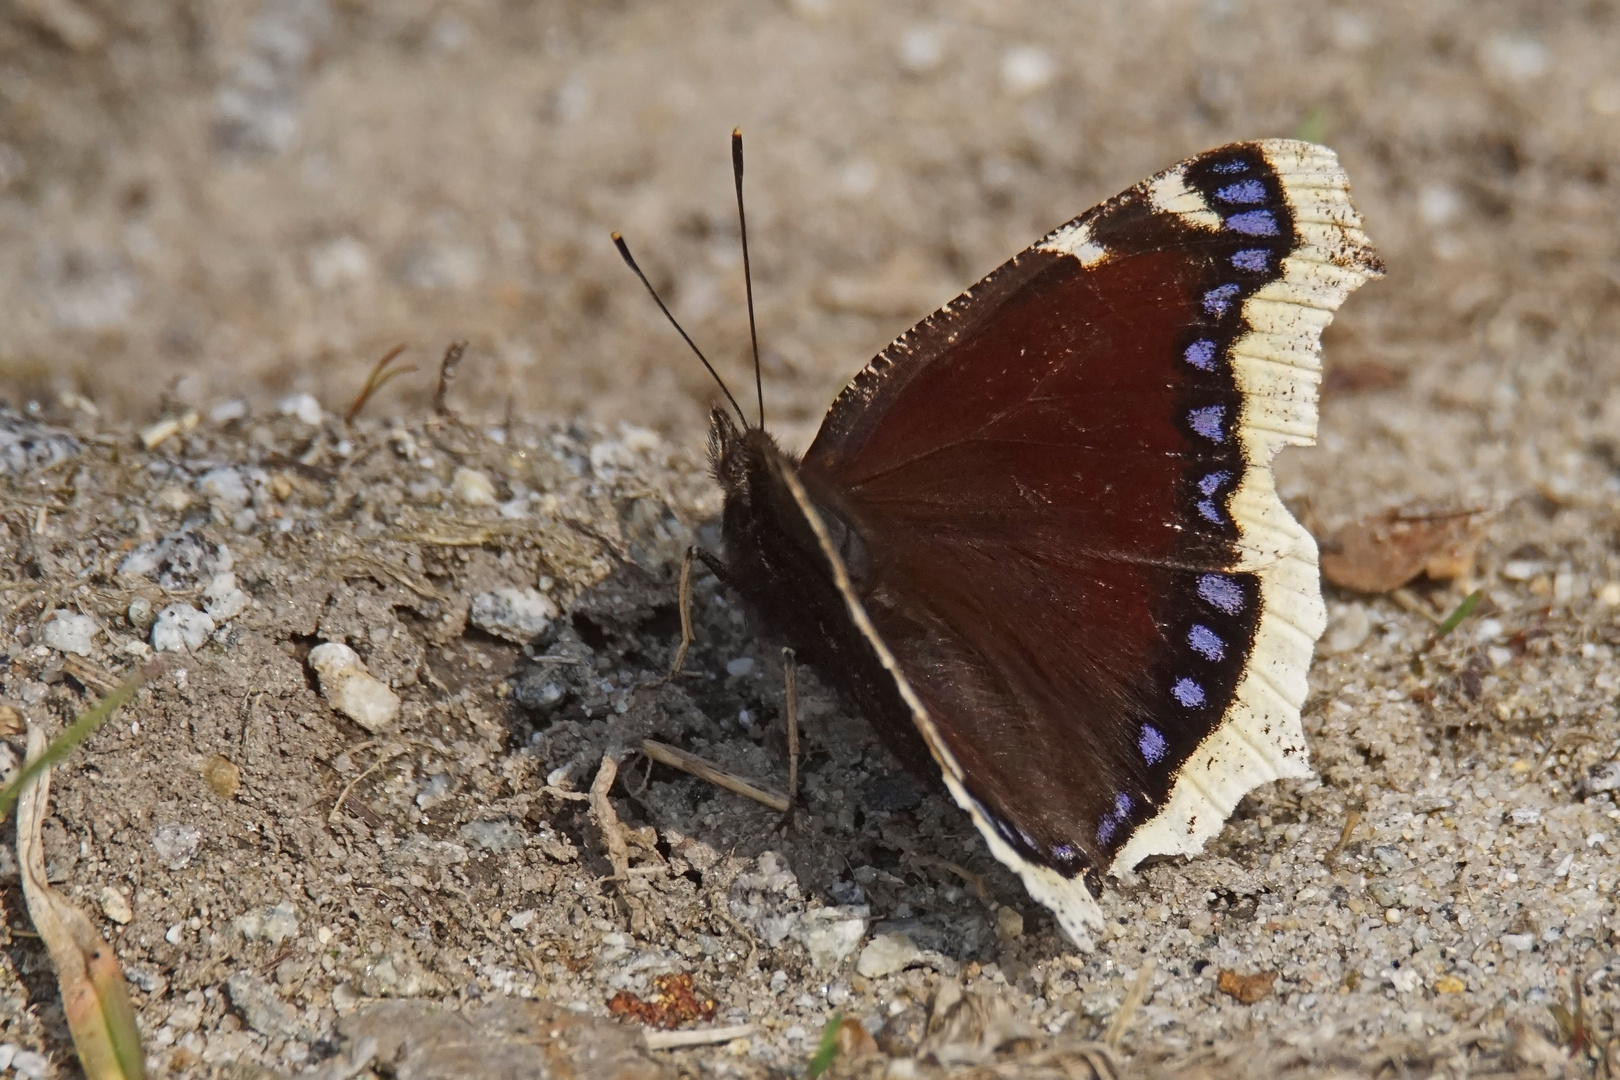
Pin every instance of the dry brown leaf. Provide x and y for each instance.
(1386, 550)
(94, 996)
(1246, 988)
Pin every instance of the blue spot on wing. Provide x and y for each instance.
(1206, 642)
(1230, 167)
(1207, 422)
(1211, 483)
(1201, 355)
(1189, 693)
(1253, 223)
(1152, 744)
(1218, 299)
(1243, 193)
(1253, 259)
(1221, 593)
(1120, 815)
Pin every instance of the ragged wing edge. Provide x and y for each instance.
(1278, 367)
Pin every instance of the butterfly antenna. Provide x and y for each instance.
(748, 272)
(630, 261)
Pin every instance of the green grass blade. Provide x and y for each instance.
(827, 1050)
(1459, 613)
(78, 731)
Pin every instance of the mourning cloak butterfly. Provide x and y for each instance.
(1037, 543)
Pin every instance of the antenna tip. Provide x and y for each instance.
(736, 133)
(617, 239)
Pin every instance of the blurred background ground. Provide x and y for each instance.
(204, 203)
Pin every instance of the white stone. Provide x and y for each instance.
(273, 924)
(473, 487)
(303, 406)
(176, 843)
(519, 615)
(70, 633)
(887, 954)
(31, 1065)
(181, 628)
(224, 600)
(351, 689)
(829, 935)
(115, 905)
(225, 487)
(227, 411)
(740, 667)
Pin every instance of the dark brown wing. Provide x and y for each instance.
(1076, 554)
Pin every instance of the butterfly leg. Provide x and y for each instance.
(790, 705)
(685, 603)
(718, 569)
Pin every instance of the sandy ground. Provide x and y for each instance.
(214, 208)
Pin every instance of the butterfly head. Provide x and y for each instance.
(738, 455)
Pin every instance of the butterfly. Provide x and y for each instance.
(1037, 543)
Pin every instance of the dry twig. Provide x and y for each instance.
(714, 774)
(447, 375)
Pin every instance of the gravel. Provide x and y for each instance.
(198, 301)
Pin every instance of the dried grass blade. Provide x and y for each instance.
(99, 1014)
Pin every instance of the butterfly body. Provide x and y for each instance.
(1036, 541)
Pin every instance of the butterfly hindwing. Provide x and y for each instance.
(1072, 556)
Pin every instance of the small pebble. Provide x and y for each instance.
(224, 600)
(740, 667)
(174, 499)
(115, 905)
(222, 775)
(140, 614)
(473, 487)
(273, 924)
(304, 407)
(181, 628)
(1392, 915)
(70, 633)
(886, 954)
(176, 843)
(1009, 924)
(227, 411)
(33, 1066)
(225, 487)
(519, 615)
(351, 689)
(829, 934)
